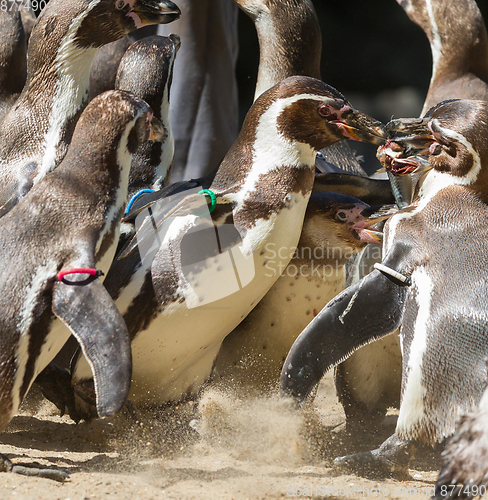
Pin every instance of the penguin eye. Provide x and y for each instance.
(120, 4)
(324, 110)
(342, 216)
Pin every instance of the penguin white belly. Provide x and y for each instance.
(253, 353)
(174, 356)
(374, 372)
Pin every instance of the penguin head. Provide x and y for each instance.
(452, 139)
(146, 69)
(460, 140)
(113, 126)
(85, 24)
(309, 111)
(336, 224)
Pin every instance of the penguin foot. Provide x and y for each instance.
(55, 384)
(391, 459)
(56, 475)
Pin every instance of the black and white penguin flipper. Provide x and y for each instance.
(92, 317)
(341, 328)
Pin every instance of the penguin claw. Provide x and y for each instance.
(56, 475)
(55, 385)
(391, 459)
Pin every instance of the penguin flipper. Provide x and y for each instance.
(344, 325)
(91, 315)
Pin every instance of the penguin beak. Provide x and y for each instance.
(358, 126)
(372, 216)
(410, 140)
(158, 132)
(147, 12)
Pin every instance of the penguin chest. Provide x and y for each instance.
(212, 294)
(444, 344)
(254, 352)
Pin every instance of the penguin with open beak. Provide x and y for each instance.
(430, 282)
(258, 197)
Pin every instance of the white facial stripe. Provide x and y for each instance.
(43, 274)
(472, 175)
(169, 144)
(73, 72)
(436, 45)
(124, 159)
(272, 149)
(412, 407)
(430, 185)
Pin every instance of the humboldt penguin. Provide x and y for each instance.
(334, 229)
(13, 62)
(35, 133)
(178, 309)
(368, 382)
(146, 70)
(55, 245)
(430, 282)
(459, 45)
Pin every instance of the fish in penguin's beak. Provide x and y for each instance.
(146, 12)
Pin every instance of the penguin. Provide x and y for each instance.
(430, 282)
(146, 69)
(55, 245)
(459, 44)
(259, 197)
(334, 229)
(464, 473)
(36, 131)
(277, 22)
(13, 62)
(369, 382)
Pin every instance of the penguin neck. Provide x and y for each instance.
(59, 81)
(162, 175)
(458, 41)
(261, 149)
(277, 60)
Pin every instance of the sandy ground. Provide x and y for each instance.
(235, 449)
